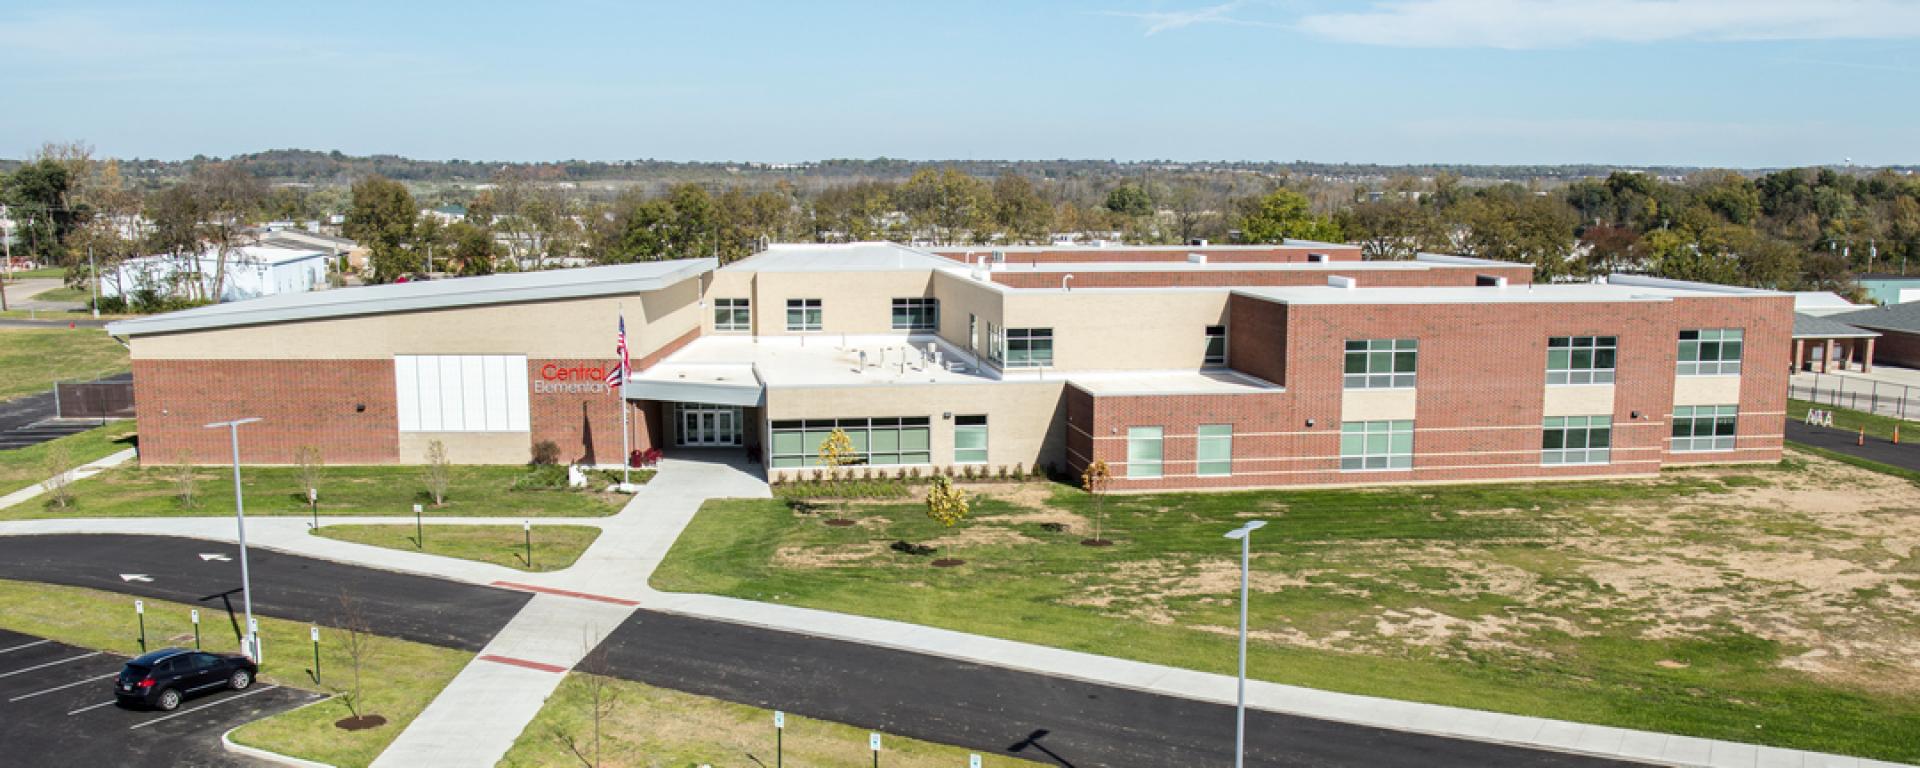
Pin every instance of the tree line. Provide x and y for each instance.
(1808, 228)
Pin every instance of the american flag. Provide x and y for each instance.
(618, 375)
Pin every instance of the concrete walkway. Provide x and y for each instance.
(81, 472)
(488, 705)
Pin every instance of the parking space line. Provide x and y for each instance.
(24, 647)
(25, 696)
(50, 664)
(145, 723)
(96, 706)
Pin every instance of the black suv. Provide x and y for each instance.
(163, 678)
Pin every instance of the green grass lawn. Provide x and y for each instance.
(23, 467)
(650, 727)
(153, 491)
(65, 293)
(31, 359)
(398, 677)
(1852, 421)
(1670, 604)
(27, 274)
(554, 546)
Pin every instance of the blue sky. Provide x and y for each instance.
(1698, 82)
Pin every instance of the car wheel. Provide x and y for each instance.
(240, 680)
(169, 700)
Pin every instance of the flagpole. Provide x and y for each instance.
(626, 450)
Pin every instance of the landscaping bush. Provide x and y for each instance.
(542, 477)
(909, 548)
(546, 452)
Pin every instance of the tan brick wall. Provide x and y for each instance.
(1368, 278)
(1271, 254)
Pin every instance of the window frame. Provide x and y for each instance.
(739, 314)
(1201, 439)
(869, 451)
(922, 313)
(1159, 462)
(1366, 459)
(1562, 452)
(1722, 425)
(1371, 352)
(1699, 340)
(1569, 372)
(812, 315)
(1029, 340)
(968, 425)
(1208, 356)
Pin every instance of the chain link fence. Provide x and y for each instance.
(1859, 394)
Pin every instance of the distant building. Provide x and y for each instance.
(1885, 288)
(252, 271)
(446, 214)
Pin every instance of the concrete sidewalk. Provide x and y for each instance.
(472, 722)
(81, 472)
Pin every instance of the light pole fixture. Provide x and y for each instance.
(1244, 534)
(240, 520)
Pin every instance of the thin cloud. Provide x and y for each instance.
(1532, 24)
(1167, 21)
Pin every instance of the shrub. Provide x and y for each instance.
(546, 452)
(542, 477)
(946, 504)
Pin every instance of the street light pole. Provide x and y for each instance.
(1245, 535)
(240, 518)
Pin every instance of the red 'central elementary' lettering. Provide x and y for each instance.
(554, 372)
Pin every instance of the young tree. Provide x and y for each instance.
(1095, 479)
(310, 461)
(360, 646)
(837, 451)
(185, 481)
(596, 680)
(438, 472)
(946, 504)
(57, 466)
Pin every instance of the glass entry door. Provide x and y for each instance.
(709, 425)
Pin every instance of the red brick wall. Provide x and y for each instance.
(300, 402)
(586, 425)
(1897, 348)
(1482, 376)
(1171, 253)
(1443, 276)
(1257, 338)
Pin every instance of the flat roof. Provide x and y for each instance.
(839, 257)
(1220, 381)
(1290, 243)
(507, 288)
(816, 360)
(1531, 293)
(1240, 266)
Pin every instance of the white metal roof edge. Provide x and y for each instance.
(239, 314)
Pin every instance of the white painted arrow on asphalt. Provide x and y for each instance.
(215, 556)
(135, 577)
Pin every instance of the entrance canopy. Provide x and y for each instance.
(711, 383)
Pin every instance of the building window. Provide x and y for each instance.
(1214, 453)
(1580, 359)
(969, 439)
(1710, 352)
(1704, 427)
(875, 441)
(1381, 363)
(1216, 345)
(471, 393)
(1576, 440)
(916, 314)
(803, 314)
(1029, 347)
(1144, 452)
(1376, 445)
(732, 315)
(995, 344)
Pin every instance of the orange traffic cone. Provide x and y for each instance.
(1863, 437)
(1896, 433)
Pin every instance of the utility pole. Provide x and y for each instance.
(94, 283)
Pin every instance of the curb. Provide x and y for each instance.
(227, 743)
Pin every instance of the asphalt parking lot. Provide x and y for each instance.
(57, 709)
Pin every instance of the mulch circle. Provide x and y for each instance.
(948, 562)
(360, 723)
(1096, 542)
(839, 522)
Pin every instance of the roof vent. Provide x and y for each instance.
(1342, 281)
(1316, 258)
(1493, 281)
(1197, 258)
(1198, 242)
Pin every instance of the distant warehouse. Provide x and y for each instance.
(1179, 367)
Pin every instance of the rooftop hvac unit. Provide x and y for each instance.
(1316, 258)
(1196, 258)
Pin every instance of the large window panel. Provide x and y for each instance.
(461, 393)
(1145, 451)
(1213, 452)
(916, 314)
(1580, 359)
(1216, 346)
(970, 439)
(804, 315)
(1576, 440)
(1375, 445)
(1704, 427)
(1381, 363)
(1029, 347)
(1711, 352)
(732, 315)
(879, 442)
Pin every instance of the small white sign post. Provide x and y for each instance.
(140, 612)
(195, 613)
(873, 742)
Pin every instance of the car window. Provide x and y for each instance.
(205, 660)
(167, 667)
